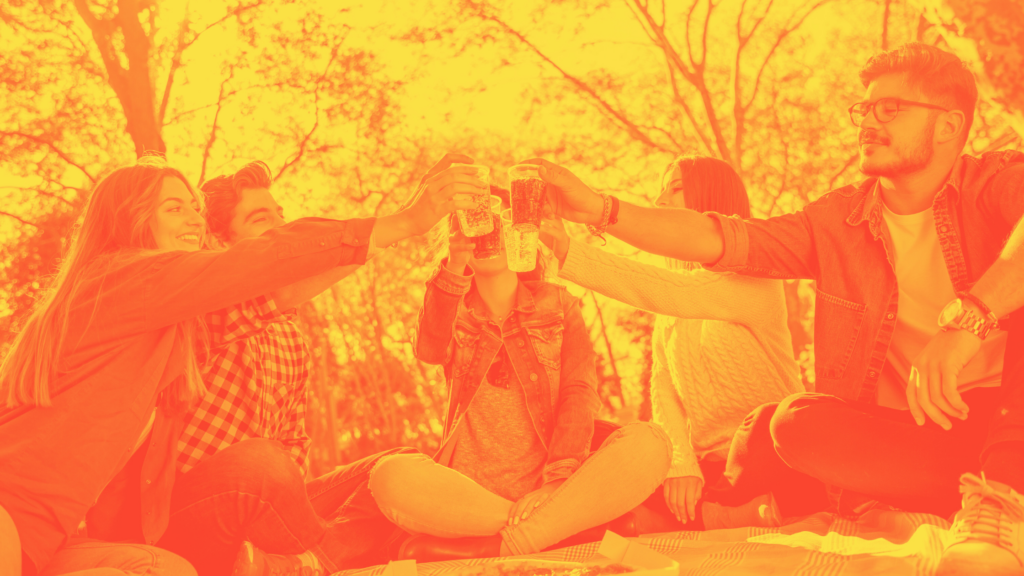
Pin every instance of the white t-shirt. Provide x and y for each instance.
(925, 288)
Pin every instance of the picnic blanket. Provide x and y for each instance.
(879, 542)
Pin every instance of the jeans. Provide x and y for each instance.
(629, 465)
(253, 491)
(800, 446)
(85, 557)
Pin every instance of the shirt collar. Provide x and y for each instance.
(870, 206)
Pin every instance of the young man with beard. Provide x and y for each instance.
(915, 269)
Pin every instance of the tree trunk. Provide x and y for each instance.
(133, 86)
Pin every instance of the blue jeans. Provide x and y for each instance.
(253, 491)
(85, 557)
(631, 462)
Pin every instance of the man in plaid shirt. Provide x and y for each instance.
(243, 451)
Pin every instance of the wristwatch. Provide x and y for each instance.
(956, 317)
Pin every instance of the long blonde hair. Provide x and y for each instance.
(115, 225)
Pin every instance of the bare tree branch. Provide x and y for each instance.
(175, 64)
(316, 119)
(787, 30)
(694, 77)
(41, 193)
(630, 127)
(213, 128)
(678, 97)
(20, 219)
(53, 147)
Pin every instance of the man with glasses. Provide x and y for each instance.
(916, 270)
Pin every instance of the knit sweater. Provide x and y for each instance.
(721, 343)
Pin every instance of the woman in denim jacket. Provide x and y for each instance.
(515, 467)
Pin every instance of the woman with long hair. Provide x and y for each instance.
(721, 342)
(110, 356)
(515, 473)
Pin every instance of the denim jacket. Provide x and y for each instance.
(554, 361)
(842, 243)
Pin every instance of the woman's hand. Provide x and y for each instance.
(569, 197)
(554, 236)
(682, 495)
(522, 509)
(460, 252)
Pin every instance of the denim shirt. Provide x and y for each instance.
(842, 243)
(455, 332)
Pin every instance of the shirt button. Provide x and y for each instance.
(872, 373)
(322, 242)
(890, 316)
(533, 376)
(522, 343)
(148, 481)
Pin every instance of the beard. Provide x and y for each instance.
(909, 158)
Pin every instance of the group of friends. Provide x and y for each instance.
(155, 396)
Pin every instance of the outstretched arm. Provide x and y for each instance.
(681, 234)
(408, 221)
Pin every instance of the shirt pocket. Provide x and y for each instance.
(836, 328)
(547, 343)
(466, 340)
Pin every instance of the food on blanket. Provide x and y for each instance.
(545, 569)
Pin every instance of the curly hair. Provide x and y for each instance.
(222, 194)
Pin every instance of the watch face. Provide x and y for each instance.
(949, 314)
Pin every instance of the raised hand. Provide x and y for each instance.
(554, 236)
(442, 193)
(568, 196)
(460, 252)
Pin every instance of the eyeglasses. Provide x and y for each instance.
(885, 109)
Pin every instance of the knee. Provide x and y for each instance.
(393, 476)
(799, 417)
(170, 564)
(270, 461)
(649, 445)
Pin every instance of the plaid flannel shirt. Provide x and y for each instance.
(256, 384)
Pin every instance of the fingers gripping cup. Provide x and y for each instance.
(489, 245)
(521, 241)
(527, 193)
(477, 221)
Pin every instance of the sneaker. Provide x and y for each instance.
(761, 512)
(988, 532)
(251, 561)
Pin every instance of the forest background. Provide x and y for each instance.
(350, 103)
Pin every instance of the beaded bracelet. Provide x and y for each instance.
(605, 214)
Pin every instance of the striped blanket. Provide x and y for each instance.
(879, 542)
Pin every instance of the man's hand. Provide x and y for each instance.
(569, 197)
(460, 252)
(527, 504)
(554, 236)
(933, 377)
(682, 495)
(438, 197)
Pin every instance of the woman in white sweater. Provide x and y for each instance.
(721, 342)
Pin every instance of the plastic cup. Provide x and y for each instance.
(477, 221)
(521, 242)
(526, 193)
(489, 245)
